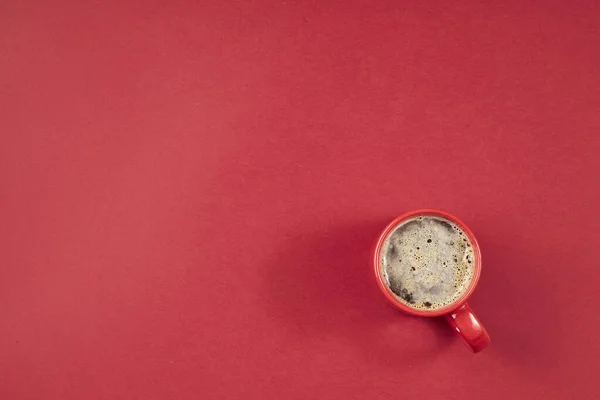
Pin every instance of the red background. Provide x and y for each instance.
(189, 193)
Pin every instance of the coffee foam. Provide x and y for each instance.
(427, 262)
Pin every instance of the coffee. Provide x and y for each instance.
(427, 262)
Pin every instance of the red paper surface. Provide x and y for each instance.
(189, 191)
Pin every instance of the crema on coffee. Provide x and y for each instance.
(427, 262)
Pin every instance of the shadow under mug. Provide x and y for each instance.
(458, 314)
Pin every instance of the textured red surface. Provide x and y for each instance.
(189, 194)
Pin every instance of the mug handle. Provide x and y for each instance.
(468, 327)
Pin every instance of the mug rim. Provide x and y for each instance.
(385, 289)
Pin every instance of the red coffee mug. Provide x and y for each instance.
(458, 314)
